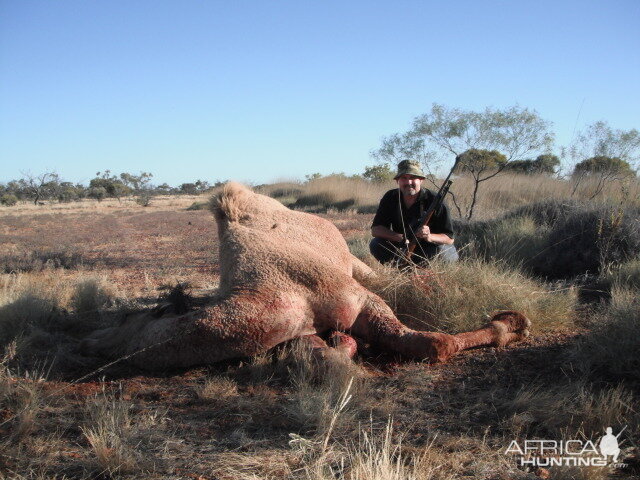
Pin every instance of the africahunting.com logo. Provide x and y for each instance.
(574, 453)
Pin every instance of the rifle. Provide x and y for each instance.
(410, 244)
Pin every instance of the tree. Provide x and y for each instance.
(481, 165)
(189, 188)
(476, 161)
(378, 173)
(600, 140)
(137, 182)
(202, 185)
(164, 189)
(515, 132)
(99, 193)
(112, 185)
(313, 176)
(8, 199)
(39, 186)
(604, 155)
(544, 164)
(67, 192)
(602, 164)
(601, 170)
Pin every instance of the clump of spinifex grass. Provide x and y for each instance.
(313, 385)
(317, 386)
(41, 259)
(556, 239)
(20, 398)
(460, 296)
(43, 314)
(572, 408)
(610, 350)
(625, 275)
(107, 432)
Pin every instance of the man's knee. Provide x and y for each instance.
(384, 251)
(448, 253)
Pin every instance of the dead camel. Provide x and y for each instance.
(283, 274)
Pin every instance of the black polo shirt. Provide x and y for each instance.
(392, 211)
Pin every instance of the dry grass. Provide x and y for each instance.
(610, 349)
(625, 276)
(460, 297)
(87, 205)
(31, 303)
(20, 397)
(313, 386)
(107, 431)
(376, 453)
(335, 192)
(510, 191)
(218, 388)
(569, 410)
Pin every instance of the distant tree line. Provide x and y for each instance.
(50, 186)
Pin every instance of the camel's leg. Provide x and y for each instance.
(238, 326)
(339, 343)
(378, 325)
(360, 270)
(503, 328)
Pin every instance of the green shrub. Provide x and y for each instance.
(99, 193)
(547, 212)
(513, 241)
(8, 199)
(603, 165)
(144, 199)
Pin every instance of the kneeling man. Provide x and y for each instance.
(397, 216)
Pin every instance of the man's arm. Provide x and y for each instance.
(437, 238)
(383, 219)
(380, 231)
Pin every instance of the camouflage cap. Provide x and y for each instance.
(409, 167)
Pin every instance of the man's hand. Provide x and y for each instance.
(424, 233)
(383, 232)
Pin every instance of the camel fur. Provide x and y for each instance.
(284, 274)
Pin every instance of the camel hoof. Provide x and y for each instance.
(515, 322)
(343, 343)
(509, 327)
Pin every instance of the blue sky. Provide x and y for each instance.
(262, 90)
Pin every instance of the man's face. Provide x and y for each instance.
(409, 184)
